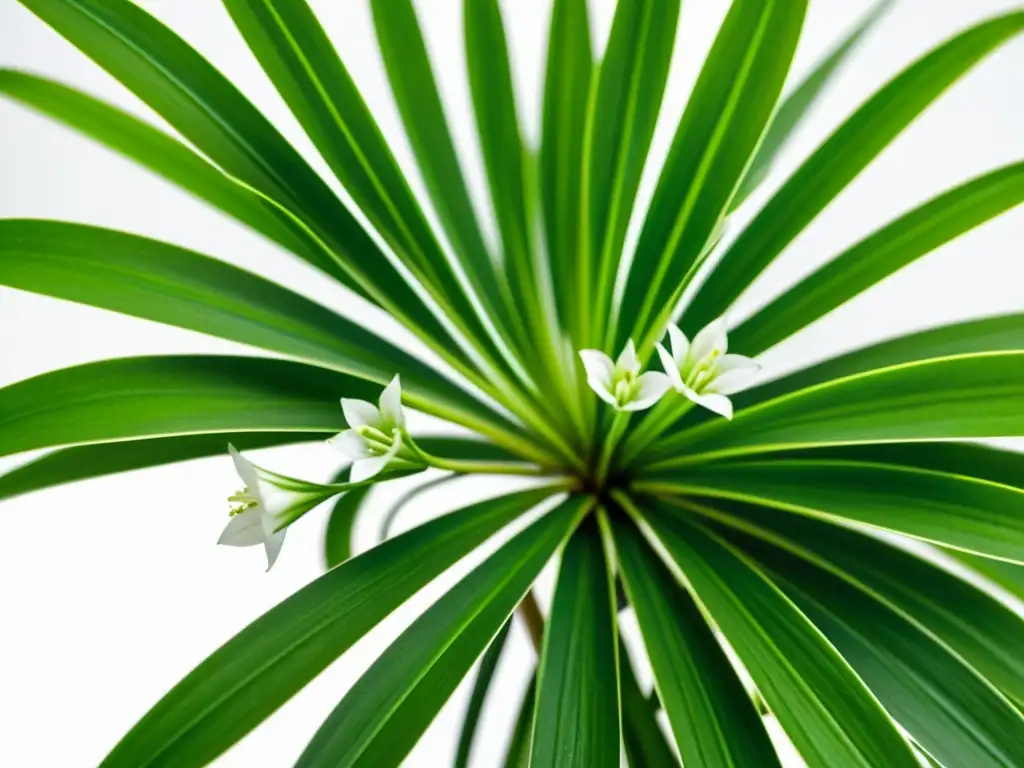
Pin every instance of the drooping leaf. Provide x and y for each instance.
(341, 522)
(160, 153)
(577, 716)
(383, 714)
(841, 159)
(825, 709)
(801, 101)
(623, 109)
(725, 116)
(702, 696)
(870, 261)
(964, 396)
(945, 705)
(980, 629)
(642, 737)
(482, 684)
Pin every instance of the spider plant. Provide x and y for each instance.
(820, 546)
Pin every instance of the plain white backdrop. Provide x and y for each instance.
(112, 589)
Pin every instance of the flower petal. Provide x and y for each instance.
(598, 367)
(367, 468)
(711, 338)
(680, 345)
(359, 413)
(245, 468)
(735, 373)
(273, 546)
(651, 387)
(391, 406)
(627, 359)
(351, 444)
(668, 362)
(715, 403)
(243, 530)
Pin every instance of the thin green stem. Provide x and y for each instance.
(661, 418)
(611, 441)
(465, 467)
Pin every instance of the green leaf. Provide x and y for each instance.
(213, 115)
(86, 461)
(482, 684)
(518, 755)
(385, 712)
(980, 629)
(269, 661)
(570, 71)
(939, 700)
(161, 282)
(702, 696)
(1009, 576)
(146, 397)
(642, 737)
(802, 100)
(624, 103)
(577, 718)
(960, 512)
(341, 522)
(870, 261)
(965, 396)
(161, 154)
(840, 159)
(825, 709)
(725, 116)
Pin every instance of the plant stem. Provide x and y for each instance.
(664, 415)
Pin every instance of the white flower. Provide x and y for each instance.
(268, 502)
(620, 384)
(703, 372)
(375, 437)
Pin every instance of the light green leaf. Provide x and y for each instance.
(961, 512)
(624, 104)
(642, 737)
(944, 705)
(482, 684)
(570, 70)
(964, 396)
(802, 100)
(1010, 576)
(870, 261)
(383, 714)
(825, 709)
(518, 755)
(725, 116)
(264, 665)
(161, 154)
(840, 159)
(702, 696)
(161, 282)
(980, 629)
(577, 718)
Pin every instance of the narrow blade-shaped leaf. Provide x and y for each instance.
(840, 159)
(826, 710)
(888, 250)
(341, 522)
(577, 719)
(701, 693)
(518, 755)
(264, 665)
(481, 685)
(382, 716)
(645, 743)
(728, 110)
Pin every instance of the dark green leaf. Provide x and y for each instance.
(383, 714)
(702, 696)
(1010, 576)
(341, 522)
(482, 684)
(725, 116)
(263, 666)
(840, 159)
(825, 709)
(644, 741)
(577, 719)
(518, 755)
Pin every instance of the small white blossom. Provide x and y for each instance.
(375, 435)
(267, 502)
(703, 372)
(620, 384)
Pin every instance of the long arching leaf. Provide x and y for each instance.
(642, 738)
(385, 712)
(840, 159)
(269, 661)
(481, 686)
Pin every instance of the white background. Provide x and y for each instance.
(111, 590)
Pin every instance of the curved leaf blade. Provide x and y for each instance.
(840, 159)
(482, 684)
(701, 693)
(341, 522)
(385, 712)
(794, 667)
(269, 661)
(518, 755)
(577, 715)
(645, 744)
